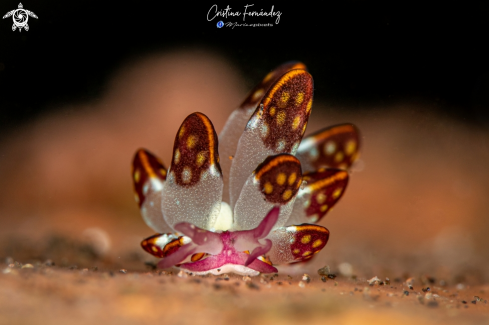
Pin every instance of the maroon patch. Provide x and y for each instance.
(195, 150)
(280, 178)
(326, 188)
(283, 113)
(149, 245)
(308, 240)
(336, 147)
(145, 165)
(256, 95)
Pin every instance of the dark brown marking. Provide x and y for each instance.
(149, 245)
(254, 96)
(279, 166)
(342, 136)
(145, 165)
(322, 185)
(280, 107)
(197, 145)
(308, 240)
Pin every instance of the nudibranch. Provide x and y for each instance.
(258, 206)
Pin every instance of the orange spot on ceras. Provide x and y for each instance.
(137, 176)
(287, 195)
(281, 178)
(201, 156)
(337, 193)
(292, 178)
(284, 98)
(296, 122)
(306, 239)
(191, 141)
(268, 188)
(197, 257)
(317, 243)
(281, 116)
(299, 98)
(309, 105)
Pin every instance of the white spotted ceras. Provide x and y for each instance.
(257, 206)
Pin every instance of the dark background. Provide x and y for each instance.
(362, 55)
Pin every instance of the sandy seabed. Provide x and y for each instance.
(68, 295)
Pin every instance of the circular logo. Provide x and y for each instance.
(20, 17)
(220, 24)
